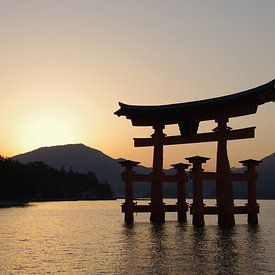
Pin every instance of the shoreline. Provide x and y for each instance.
(22, 203)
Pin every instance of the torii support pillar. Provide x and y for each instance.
(181, 190)
(252, 204)
(127, 176)
(224, 189)
(197, 208)
(157, 205)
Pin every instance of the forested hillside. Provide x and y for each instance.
(37, 181)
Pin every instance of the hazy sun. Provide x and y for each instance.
(46, 129)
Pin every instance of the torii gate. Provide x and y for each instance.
(188, 116)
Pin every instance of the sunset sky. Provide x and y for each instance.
(65, 65)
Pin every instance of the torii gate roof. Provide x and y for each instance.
(234, 105)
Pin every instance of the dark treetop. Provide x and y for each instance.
(37, 181)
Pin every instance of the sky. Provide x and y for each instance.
(65, 65)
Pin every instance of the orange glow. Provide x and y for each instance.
(65, 65)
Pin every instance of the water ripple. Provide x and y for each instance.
(90, 238)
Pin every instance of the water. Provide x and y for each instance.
(89, 237)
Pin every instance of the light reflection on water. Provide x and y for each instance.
(90, 237)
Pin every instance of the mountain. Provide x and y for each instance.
(265, 181)
(83, 159)
(266, 177)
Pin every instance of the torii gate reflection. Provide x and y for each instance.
(188, 116)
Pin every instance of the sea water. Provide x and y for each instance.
(90, 237)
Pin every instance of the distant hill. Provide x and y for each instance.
(266, 177)
(265, 182)
(83, 159)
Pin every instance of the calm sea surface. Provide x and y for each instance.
(89, 237)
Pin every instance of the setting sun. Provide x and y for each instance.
(34, 130)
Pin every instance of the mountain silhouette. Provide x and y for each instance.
(83, 159)
(266, 176)
(265, 181)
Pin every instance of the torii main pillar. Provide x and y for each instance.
(224, 189)
(157, 205)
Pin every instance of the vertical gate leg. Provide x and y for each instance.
(181, 191)
(128, 206)
(252, 205)
(197, 208)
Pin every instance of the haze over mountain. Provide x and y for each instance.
(82, 158)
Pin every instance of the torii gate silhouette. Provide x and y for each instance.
(188, 116)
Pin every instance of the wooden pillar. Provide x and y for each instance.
(252, 204)
(157, 205)
(224, 189)
(181, 190)
(197, 207)
(127, 176)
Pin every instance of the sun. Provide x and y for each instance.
(46, 129)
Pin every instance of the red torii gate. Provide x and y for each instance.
(188, 116)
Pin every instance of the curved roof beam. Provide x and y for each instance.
(234, 105)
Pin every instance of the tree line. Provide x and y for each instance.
(38, 181)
